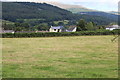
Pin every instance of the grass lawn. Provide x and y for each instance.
(60, 57)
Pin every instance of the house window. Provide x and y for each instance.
(58, 30)
(54, 29)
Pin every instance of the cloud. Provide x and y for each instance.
(71, 1)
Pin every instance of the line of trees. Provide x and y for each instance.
(82, 25)
(16, 26)
(24, 26)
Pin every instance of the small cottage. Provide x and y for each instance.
(62, 29)
(71, 29)
(113, 27)
(7, 31)
(57, 29)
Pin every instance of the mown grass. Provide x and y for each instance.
(60, 57)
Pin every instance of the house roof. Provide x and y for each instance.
(70, 29)
(6, 31)
(114, 26)
(57, 27)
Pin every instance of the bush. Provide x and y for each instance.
(54, 34)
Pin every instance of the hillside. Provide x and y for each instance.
(36, 13)
(77, 10)
(70, 7)
(27, 10)
(99, 13)
(81, 9)
(114, 12)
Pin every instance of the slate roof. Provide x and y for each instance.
(57, 27)
(114, 26)
(6, 31)
(70, 29)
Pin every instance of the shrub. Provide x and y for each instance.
(54, 34)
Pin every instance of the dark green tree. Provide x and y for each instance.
(43, 27)
(81, 25)
(60, 23)
(90, 26)
(26, 26)
(4, 25)
(7, 26)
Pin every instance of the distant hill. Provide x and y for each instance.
(27, 10)
(72, 8)
(77, 10)
(38, 13)
(80, 9)
(114, 12)
(98, 13)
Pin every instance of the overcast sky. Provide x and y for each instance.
(102, 5)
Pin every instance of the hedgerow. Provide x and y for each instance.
(54, 34)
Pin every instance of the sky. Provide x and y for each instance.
(101, 5)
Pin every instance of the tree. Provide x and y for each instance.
(4, 26)
(17, 24)
(81, 26)
(22, 27)
(18, 29)
(25, 26)
(51, 24)
(60, 23)
(7, 26)
(90, 26)
(42, 27)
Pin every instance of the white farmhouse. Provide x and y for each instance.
(62, 29)
(71, 29)
(57, 29)
(113, 27)
(7, 31)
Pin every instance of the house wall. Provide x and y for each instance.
(52, 30)
(110, 29)
(7, 31)
(74, 30)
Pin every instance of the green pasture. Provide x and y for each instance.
(60, 57)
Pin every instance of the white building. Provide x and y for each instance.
(7, 31)
(72, 29)
(56, 29)
(113, 27)
(62, 29)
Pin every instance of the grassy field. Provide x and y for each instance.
(60, 57)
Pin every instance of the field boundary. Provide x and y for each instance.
(57, 34)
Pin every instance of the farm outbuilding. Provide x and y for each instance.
(57, 29)
(113, 27)
(62, 29)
